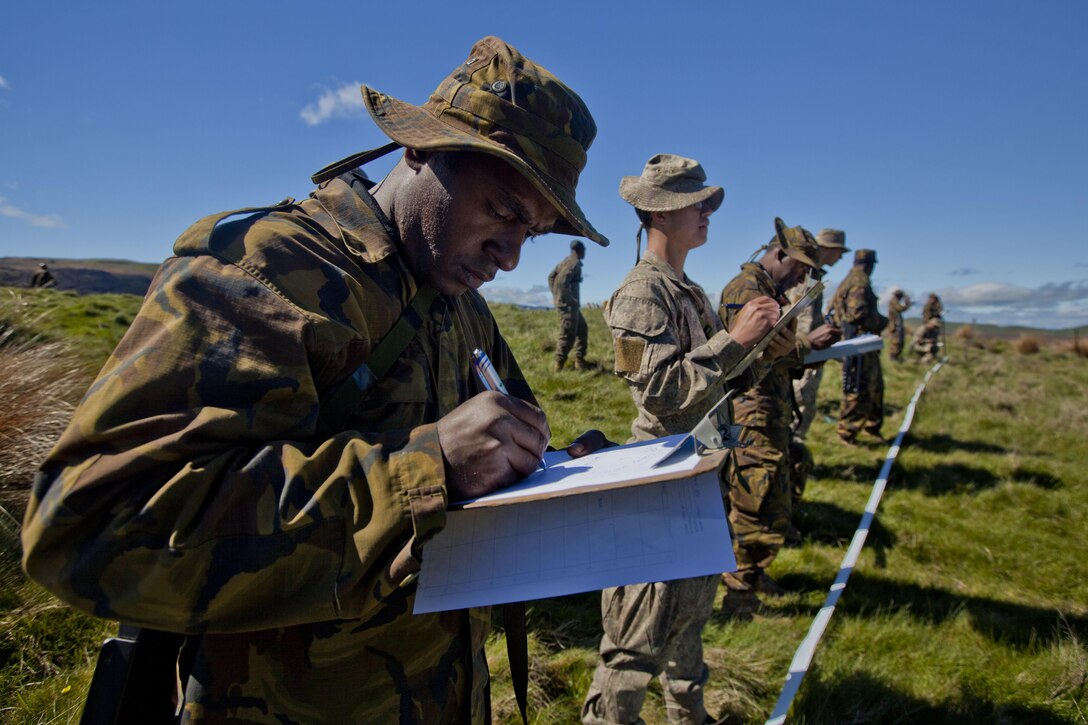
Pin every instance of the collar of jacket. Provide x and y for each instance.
(363, 225)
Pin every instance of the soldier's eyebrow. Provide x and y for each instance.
(517, 208)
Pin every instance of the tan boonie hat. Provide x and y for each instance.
(797, 242)
(501, 103)
(832, 239)
(668, 183)
(865, 255)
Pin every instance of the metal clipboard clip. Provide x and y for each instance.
(716, 431)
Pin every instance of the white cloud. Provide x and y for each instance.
(1053, 305)
(35, 220)
(536, 296)
(4, 83)
(343, 102)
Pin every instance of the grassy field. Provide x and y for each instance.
(969, 603)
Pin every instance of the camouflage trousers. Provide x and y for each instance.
(895, 343)
(805, 390)
(573, 333)
(759, 496)
(862, 396)
(652, 630)
(801, 465)
(927, 341)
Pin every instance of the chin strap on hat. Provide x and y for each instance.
(355, 160)
(638, 242)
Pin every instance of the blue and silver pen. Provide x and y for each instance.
(485, 370)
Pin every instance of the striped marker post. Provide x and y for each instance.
(803, 657)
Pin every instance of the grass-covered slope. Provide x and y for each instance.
(969, 603)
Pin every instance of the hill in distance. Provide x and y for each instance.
(82, 276)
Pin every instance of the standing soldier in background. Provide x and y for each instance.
(672, 351)
(832, 244)
(897, 305)
(928, 337)
(759, 490)
(855, 308)
(565, 283)
(43, 277)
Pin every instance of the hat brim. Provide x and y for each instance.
(648, 197)
(801, 257)
(414, 128)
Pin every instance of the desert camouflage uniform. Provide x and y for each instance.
(855, 308)
(195, 490)
(759, 481)
(564, 282)
(673, 352)
(896, 328)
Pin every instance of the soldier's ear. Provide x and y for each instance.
(416, 159)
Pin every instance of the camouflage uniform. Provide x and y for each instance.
(805, 389)
(855, 308)
(929, 335)
(564, 282)
(43, 278)
(195, 490)
(759, 481)
(673, 352)
(896, 329)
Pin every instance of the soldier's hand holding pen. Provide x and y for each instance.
(490, 441)
(824, 336)
(754, 320)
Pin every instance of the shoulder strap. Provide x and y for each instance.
(348, 395)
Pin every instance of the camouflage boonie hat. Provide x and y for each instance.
(669, 183)
(501, 103)
(865, 255)
(797, 242)
(832, 239)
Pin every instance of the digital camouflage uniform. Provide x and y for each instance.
(855, 308)
(759, 480)
(565, 281)
(195, 490)
(673, 352)
(896, 329)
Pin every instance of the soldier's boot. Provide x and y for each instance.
(580, 364)
(875, 434)
(848, 439)
(740, 601)
(766, 585)
(558, 365)
(793, 536)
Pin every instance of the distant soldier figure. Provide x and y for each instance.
(43, 277)
(928, 339)
(565, 283)
(832, 243)
(899, 303)
(759, 490)
(855, 308)
(672, 351)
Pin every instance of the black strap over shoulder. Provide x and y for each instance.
(344, 165)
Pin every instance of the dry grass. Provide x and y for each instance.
(1027, 345)
(37, 381)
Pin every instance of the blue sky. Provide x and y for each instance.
(949, 136)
